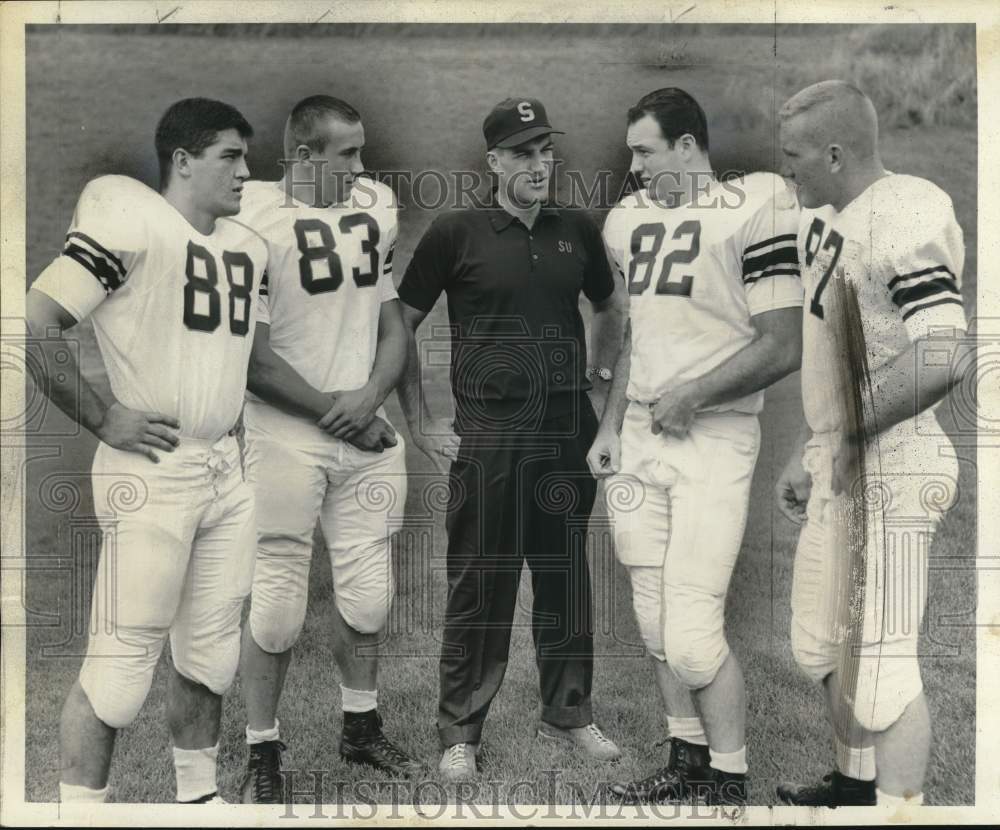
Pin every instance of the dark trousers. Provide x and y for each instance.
(520, 496)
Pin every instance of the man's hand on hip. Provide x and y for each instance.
(141, 432)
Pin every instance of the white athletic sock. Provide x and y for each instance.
(78, 794)
(855, 761)
(732, 762)
(261, 735)
(882, 798)
(358, 700)
(691, 730)
(195, 769)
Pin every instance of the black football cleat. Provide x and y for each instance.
(363, 742)
(835, 790)
(684, 761)
(719, 789)
(263, 782)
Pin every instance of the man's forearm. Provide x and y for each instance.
(607, 330)
(275, 381)
(902, 389)
(617, 403)
(390, 364)
(411, 396)
(761, 363)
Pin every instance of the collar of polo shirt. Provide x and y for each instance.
(501, 219)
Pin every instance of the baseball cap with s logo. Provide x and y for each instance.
(514, 121)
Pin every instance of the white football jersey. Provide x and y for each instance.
(173, 309)
(697, 273)
(329, 271)
(878, 275)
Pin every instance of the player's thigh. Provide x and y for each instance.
(289, 484)
(362, 510)
(205, 636)
(709, 502)
(148, 514)
(638, 506)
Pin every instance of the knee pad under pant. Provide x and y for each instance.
(280, 590)
(118, 672)
(363, 585)
(694, 638)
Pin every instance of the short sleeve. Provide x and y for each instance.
(386, 286)
(770, 258)
(598, 283)
(431, 268)
(926, 267)
(102, 245)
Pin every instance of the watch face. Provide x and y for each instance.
(604, 374)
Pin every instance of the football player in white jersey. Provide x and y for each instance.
(882, 258)
(715, 296)
(169, 280)
(330, 346)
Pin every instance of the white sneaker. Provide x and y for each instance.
(215, 798)
(458, 762)
(589, 738)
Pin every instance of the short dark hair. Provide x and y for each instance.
(676, 112)
(194, 124)
(308, 114)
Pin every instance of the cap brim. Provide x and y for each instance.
(525, 136)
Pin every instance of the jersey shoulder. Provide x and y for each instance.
(118, 214)
(909, 196)
(765, 189)
(128, 199)
(907, 210)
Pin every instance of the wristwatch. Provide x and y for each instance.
(601, 372)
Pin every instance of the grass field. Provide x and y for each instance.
(93, 99)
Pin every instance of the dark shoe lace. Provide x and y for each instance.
(264, 772)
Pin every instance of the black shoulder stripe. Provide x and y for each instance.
(901, 277)
(787, 255)
(93, 243)
(924, 289)
(104, 272)
(774, 240)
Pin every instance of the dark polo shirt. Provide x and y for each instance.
(518, 344)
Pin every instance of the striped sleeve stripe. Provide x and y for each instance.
(914, 292)
(262, 289)
(107, 271)
(782, 239)
(94, 245)
(784, 259)
(913, 309)
(917, 274)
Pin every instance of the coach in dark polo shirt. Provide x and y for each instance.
(520, 487)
